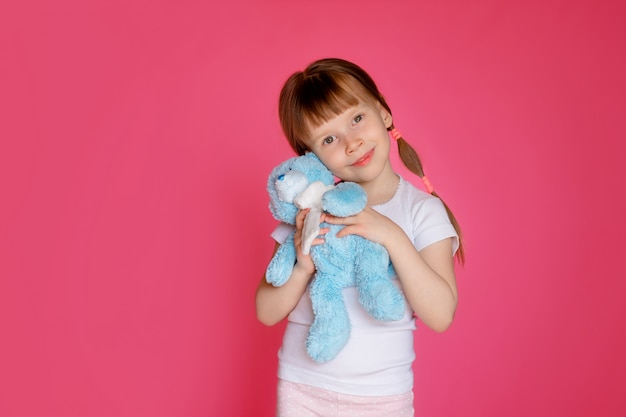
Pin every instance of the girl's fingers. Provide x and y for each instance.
(339, 220)
(300, 218)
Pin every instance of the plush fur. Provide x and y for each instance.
(304, 182)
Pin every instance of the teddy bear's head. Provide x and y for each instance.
(289, 179)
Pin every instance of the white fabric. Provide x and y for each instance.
(378, 356)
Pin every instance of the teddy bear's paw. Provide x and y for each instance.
(346, 199)
(278, 273)
(328, 334)
(383, 301)
(279, 269)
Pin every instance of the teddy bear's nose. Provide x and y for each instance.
(281, 177)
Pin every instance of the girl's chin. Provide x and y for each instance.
(361, 175)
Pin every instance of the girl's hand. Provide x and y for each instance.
(273, 304)
(369, 224)
(304, 262)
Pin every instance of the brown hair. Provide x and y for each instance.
(325, 89)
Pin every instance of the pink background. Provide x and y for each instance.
(136, 137)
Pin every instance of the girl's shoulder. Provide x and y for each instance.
(419, 203)
(422, 216)
(408, 196)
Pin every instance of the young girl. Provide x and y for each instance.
(334, 109)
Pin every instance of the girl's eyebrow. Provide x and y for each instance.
(361, 107)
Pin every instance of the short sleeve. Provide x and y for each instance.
(432, 225)
(282, 232)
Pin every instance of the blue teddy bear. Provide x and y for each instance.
(304, 182)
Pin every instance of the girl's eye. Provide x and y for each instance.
(358, 118)
(329, 139)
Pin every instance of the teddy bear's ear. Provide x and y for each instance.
(314, 169)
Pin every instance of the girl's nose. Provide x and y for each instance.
(353, 143)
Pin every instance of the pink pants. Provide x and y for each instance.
(299, 400)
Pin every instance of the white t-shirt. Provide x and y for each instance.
(378, 357)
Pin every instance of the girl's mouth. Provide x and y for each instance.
(365, 159)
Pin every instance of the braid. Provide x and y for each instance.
(412, 161)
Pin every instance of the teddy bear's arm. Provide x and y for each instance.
(346, 199)
(280, 266)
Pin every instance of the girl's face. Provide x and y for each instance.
(355, 144)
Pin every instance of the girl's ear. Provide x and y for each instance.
(386, 116)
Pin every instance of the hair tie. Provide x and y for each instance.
(395, 133)
(428, 185)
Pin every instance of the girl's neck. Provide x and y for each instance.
(382, 188)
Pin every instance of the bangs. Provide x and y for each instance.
(323, 97)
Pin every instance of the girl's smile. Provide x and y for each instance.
(365, 159)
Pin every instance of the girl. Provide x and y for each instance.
(334, 109)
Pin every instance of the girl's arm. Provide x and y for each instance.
(428, 279)
(273, 304)
(427, 276)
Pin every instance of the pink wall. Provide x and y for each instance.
(135, 142)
